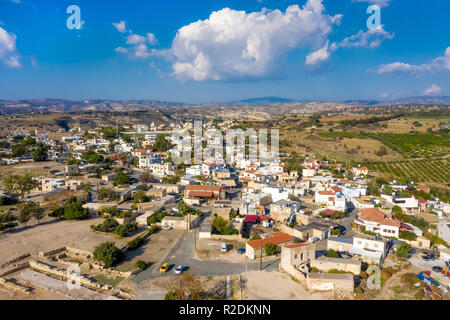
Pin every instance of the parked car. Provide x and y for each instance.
(164, 267)
(179, 269)
(437, 268)
(224, 247)
(241, 251)
(427, 258)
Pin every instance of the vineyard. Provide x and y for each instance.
(415, 145)
(419, 170)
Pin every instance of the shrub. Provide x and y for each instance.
(57, 213)
(8, 225)
(135, 243)
(332, 254)
(408, 235)
(6, 217)
(403, 250)
(109, 225)
(108, 254)
(152, 230)
(255, 236)
(270, 249)
(75, 211)
(125, 229)
(140, 265)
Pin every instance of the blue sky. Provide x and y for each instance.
(320, 50)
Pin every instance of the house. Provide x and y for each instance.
(205, 229)
(277, 193)
(370, 249)
(221, 212)
(283, 209)
(180, 223)
(314, 229)
(254, 248)
(109, 177)
(297, 254)
(360, 171)
(375, 220)
(444, 230)
(203, 192)
(71, 169)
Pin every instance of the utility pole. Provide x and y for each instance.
(260, 258)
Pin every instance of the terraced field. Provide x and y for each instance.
(437, 171)
(415, 145)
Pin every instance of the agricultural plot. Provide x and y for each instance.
(415, 145)
(437, 171)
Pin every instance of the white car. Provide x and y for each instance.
(179, 269)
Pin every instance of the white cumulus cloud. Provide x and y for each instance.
(8, 51)
(233, 45)
(138, 44)
(318, 57)
(434, 89)
(439, 64)
(120, 26)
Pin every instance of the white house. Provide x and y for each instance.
(375, 220)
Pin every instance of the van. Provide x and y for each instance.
(224, 247)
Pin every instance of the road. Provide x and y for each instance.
(182, 253)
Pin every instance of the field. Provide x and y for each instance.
(437, 171)
(415, 145)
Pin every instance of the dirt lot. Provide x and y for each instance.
(211, 250)
(275, 285)
(53, 234)
(152, 251)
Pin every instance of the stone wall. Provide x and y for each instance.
(292, 271)
(15, 269)
(232, 237)
(330, 282)
(15, 287)
(326, 264)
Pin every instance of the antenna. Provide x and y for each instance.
(117, 128)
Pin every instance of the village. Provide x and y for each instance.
(108, 207)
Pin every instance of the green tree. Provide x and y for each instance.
(40, 154)
(270, 249)
(121, 179)
(332, 254)
(24, 217)
(108, 254)
(34, 210)
(161, 144)
(140, 264)
(20, 185)
(403, 250)
(75, 211)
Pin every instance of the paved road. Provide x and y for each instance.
(182, 253)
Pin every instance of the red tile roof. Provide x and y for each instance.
(378, 216)
(276, 238)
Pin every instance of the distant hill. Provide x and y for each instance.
(425, 100)
(261, 101)
(286, 104)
